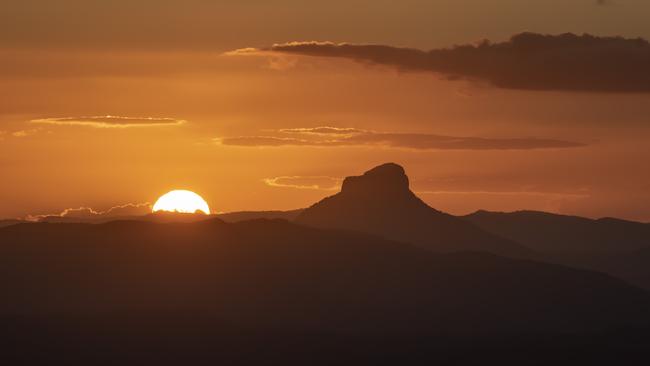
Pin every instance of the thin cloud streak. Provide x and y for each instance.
(263, 141)
(25, 133)
(110, 121)
(319, 183)
(324, 130)
(508, 193)
(327, 136)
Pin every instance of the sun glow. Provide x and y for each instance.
(181, 201)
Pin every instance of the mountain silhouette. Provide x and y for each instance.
(614, 246)
(9, 222)
(253, 215)
(209, 290)
(380, 202)
(162, 216)
(275, 274)
(547, 232)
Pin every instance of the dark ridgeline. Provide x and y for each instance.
(253, 215)
(618, 247)
(380, 202)
(4, 223)
(162, 216)
(419, 285)
(210, 289)
(546, 232)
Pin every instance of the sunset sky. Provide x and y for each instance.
(260, 105)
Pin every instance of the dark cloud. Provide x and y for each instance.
(110, 121)
(528, 61)
(418, 141)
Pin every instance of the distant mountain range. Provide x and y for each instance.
(252, 215)
(9, 222)
(618, 247)
(279, 276)
(545, 232)
(369, 271)
(380, 202)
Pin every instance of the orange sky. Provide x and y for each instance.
(165, 60)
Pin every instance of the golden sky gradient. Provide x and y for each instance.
(109, 103)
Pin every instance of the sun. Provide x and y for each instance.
(181, 201)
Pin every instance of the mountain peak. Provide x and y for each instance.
(380, 202)
(389, 177)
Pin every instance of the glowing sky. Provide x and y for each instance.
(113, 103)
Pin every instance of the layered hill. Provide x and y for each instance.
(614, 246)
(547, 232)
(274, 275)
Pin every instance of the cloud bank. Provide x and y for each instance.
(110, 121)
(350, 137)
(529, 61)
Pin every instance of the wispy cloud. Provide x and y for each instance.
(320, 183)
(506, 193)
(262, 141)
(25, 133)
(327, 136)
(20, 133)
(110, 121)
(528, 61)
(324, 130)
(129, 209)
(246, 51)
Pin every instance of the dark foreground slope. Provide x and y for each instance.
(261, 291)
(380, 202)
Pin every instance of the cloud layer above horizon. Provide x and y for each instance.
(125, 210)
(326, 136)
(528, 61)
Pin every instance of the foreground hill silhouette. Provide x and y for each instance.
(615, 246)
(380, 202)
(194, 287)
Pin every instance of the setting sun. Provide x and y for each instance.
(181, 201)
